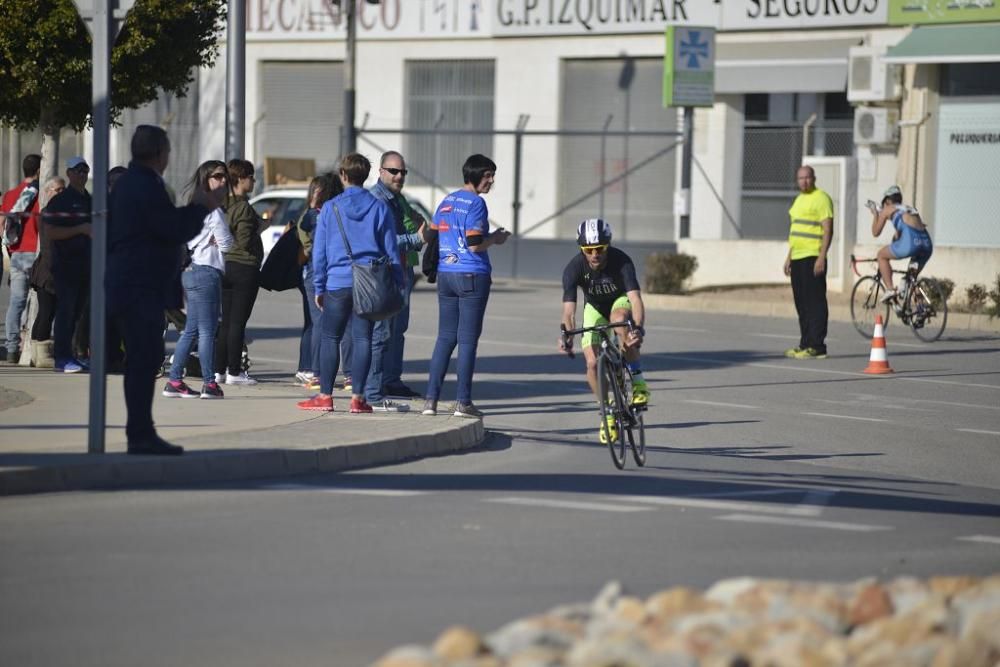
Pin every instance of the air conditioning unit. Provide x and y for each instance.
(875, 125)
(869, 79)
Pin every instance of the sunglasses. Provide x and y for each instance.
(218, 177)
(594, 249)
(396, 172)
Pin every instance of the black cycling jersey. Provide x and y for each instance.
(601, 287)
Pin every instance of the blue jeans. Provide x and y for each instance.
(462, 299)
(311, 340)
(20, 271)
(381, 333)
(337, 308)
(392, 366)
(203, 291)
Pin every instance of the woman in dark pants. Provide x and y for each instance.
(463, 226)
(242, 279)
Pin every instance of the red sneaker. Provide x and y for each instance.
(319, 403)
(360, 407)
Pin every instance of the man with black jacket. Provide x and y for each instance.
(145, 234)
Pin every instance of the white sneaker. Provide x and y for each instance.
(303, 377)
(385, 405)
(220, 378)
(242, 378)
(889, 296)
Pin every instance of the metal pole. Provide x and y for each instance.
(103, 23)
(628, 120)
(604, 158)
(686, 156)
(517, 193)
(236, 91)
(13, 156)
(350, 134)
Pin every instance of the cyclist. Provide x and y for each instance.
(611, 294)
(909, 240)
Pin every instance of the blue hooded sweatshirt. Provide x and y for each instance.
(370, 229)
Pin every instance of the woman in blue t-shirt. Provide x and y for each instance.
(462, 223)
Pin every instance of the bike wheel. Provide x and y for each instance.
(637, 438)
(928, 310)
(612, 404)
(866, 303)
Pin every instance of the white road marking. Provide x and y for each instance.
(391, 493)
(724, 505)
(985, 539)
(976, 430)
(804, 523)
(614, 506)
(723, 405)
(862, 419)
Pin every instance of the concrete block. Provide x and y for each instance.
(31, 480)
(332, 459)
(136, 471)
(301, 461)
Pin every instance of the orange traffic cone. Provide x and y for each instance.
(878, 362)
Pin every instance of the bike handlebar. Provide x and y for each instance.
(567, 334)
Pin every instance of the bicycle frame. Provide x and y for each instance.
(920, 302)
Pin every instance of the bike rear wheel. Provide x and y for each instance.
(612, 410)
(928, 310)
(866, 303)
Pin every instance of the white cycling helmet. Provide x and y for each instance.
(593, 232)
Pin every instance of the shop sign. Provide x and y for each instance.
(689, 67)
(783, 14)
(390, 19)
(906, 12)
(515, 18)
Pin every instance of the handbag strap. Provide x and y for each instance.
(343, 234)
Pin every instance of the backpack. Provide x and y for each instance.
(13, 225)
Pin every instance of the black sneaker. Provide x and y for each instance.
(400, 391)
(385, 405)
(467, 410)
(211, 390)
(178, 390)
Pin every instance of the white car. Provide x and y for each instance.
(281, 206)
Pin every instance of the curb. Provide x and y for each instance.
(118, 471)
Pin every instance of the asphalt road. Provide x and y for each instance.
(758, 465)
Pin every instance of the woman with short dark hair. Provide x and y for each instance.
(462, 222)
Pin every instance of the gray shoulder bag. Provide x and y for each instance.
(374, 291)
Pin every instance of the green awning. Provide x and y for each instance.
(948, 44)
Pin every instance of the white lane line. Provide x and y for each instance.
(722, 405)
(389, 493)
(984, 539)
(569, 504)
(976, 430)
(861, 419)
(827, 371)
(724, 505)
(804, 523)
(781, 336)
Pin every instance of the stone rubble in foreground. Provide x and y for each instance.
(745, 622)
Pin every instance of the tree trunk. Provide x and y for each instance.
(50, 152)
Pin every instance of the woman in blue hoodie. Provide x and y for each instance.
(371, 231)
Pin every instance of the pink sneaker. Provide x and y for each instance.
(318, 403)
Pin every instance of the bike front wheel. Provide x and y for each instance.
(928, 310)
(637, 438)
(866, 303)
(612, 410)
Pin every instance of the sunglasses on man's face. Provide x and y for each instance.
(594, 249)
(396, 172)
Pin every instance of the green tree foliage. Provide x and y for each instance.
(45, 58)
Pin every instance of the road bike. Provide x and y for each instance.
(614, 381)
(921, 303)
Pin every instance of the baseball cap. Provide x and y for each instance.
(892, 190)
(75, 162)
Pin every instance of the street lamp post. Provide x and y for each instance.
(349, 140)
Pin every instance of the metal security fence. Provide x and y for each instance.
(771, 156)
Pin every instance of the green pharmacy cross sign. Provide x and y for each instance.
(689, 67)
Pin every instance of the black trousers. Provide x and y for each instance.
(42, 328)
(809, 291)
(71, 298)
(140, 322)
(240, 285)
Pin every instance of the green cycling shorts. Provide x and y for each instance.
(591, 318)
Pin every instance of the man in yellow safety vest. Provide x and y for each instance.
(808, 241)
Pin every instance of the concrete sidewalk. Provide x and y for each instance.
(255, 432)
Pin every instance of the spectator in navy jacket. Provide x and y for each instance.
(371, 232)
(145, 235)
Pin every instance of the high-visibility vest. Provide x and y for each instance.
(808, 211)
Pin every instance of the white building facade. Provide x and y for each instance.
(831, 83)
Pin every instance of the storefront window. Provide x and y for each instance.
(970, 79)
